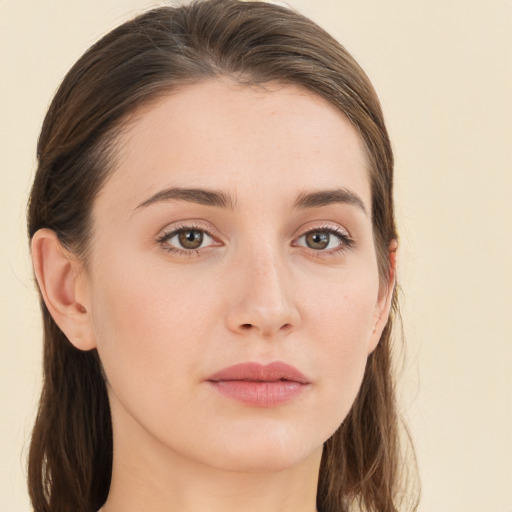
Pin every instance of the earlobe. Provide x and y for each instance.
(58, 275)
(385, 299)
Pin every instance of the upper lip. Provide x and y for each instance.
(256, 372)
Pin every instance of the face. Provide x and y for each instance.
(235, 230)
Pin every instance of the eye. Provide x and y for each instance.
(325, 239)
(186, 239)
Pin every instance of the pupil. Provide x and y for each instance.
(191, 239)
(317, 240)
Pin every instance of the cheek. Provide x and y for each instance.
(344, 309)
(344, 317)
(149, 340)
(152, 323)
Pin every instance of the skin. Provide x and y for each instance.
(254, 291)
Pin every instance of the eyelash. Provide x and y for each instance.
(346, 242)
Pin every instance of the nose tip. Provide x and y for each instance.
(263, 303)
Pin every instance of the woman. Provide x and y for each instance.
(213, 236)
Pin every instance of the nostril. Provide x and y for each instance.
(285, 327)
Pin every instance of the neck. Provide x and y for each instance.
(193, 490)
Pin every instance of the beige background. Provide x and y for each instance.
(444, 73)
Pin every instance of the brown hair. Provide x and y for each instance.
(70, 459)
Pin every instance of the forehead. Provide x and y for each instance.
(242, 139)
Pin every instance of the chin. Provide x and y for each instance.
(266, 461)
(273, 452)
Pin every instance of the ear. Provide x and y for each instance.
(385, 298)
(63, 287)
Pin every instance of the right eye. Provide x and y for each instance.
(186, 240)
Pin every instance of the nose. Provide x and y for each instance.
(263, 300)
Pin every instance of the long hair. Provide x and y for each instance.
(70, 457)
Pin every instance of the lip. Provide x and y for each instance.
(260, 385)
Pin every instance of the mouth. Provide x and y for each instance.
(260, 385)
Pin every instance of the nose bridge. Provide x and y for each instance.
(264, 302)
(267, 273)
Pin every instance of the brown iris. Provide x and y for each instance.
(190, 239)
(317, 240)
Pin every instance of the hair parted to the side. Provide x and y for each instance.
(253, 43)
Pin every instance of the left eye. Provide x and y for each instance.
(322, 240)
(188, 239)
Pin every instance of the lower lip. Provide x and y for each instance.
(260, 394)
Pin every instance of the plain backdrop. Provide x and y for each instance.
(443, 71)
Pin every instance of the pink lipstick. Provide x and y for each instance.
(260, 385)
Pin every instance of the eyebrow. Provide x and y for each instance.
(208, 197)
(192, 195)
(327, 197)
